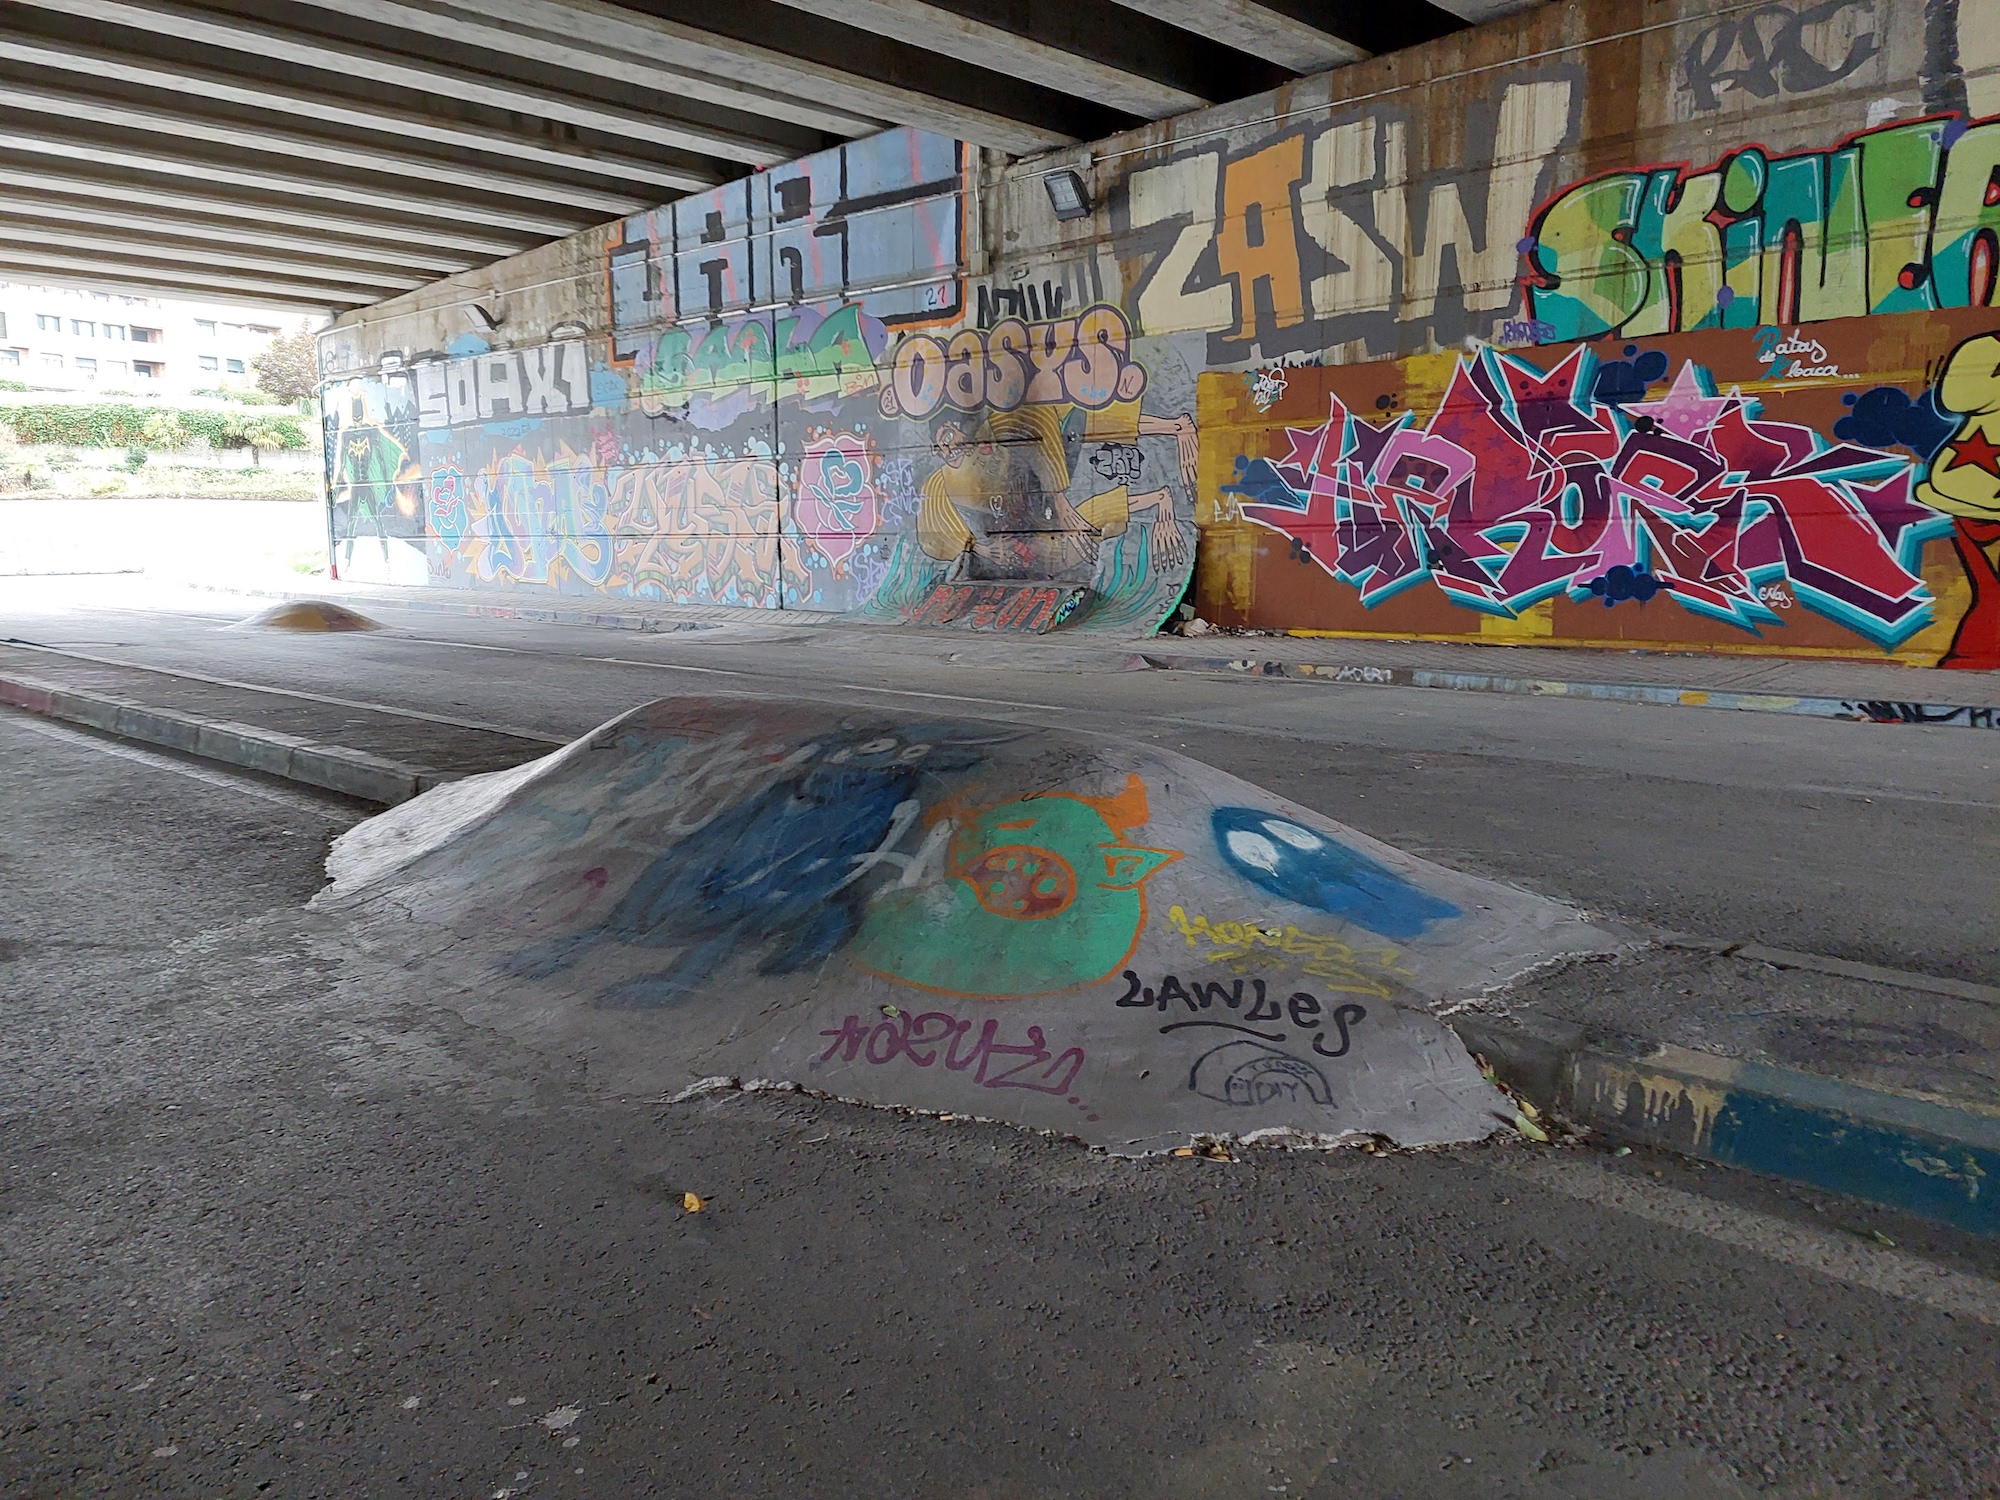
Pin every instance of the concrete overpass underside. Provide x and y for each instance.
(327, 154)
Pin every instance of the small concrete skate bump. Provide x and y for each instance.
(955, 916)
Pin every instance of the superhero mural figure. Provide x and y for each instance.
(1001, 495)
(1964, 483)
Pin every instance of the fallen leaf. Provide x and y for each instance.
(692, 1203)
(890, 1010)
(1184, 1151)
(1530, 1129)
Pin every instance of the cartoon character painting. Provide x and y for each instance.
(1040, 894)
(1964, 482)
(1001, 491)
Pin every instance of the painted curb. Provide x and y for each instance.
(1938, 1160)
(333, 768)
(1854, 710)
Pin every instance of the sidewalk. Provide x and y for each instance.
(361, 750)
(1862, 691)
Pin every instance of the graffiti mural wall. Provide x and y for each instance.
(1731, 489)
(1563, 328)
(784, 412)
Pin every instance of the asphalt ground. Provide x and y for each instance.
(266, 1230)
(1873, 843)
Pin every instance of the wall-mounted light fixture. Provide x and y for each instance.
(1067, 194)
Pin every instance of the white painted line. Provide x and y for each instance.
(1826, 1252)
(240, 786)
(278, 692)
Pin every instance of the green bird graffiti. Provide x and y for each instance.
(1040, 894)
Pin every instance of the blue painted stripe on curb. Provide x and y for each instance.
(1952, 1181)
(1926, 1157)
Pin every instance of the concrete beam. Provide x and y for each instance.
(1371, 25)
(140, 246)
(162, 158)
(609, 41)
(326, 108)
(425, 76)
(933, 93)
(254, 139)
(450, 248)
(19, 205)
(20, 264)
(935, 28)
(1125, 59)
(1261, 30)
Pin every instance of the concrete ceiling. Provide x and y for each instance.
(326, 154)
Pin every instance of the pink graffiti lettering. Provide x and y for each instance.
(938, 1036)
(1523, 485)
(992, 607)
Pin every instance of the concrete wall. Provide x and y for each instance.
(1606, 323)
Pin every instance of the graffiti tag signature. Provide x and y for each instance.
(1344, 967)
(936, 1035)
(1304, 1010)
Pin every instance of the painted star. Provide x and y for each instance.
(1975, 450)
(1686, 410)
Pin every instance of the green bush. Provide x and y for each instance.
(135, 458)
(106, 426)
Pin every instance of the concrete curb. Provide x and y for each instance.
(1855, 710)
(332, 768)
(601, 619)
(1927, 1157)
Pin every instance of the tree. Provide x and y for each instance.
(289, 366)
(259, 433)
(162, 429)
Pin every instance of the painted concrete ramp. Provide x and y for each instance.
(1065, 932)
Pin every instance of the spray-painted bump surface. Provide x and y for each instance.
(1080, 935)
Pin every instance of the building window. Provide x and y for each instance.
(234, 366)
(147, 369)
(145, 335)
(52, 362)
(100, 296)
(3, 325)
(86, 366)
(83, 328)
(115, 367)
(111, 331)
(205, 325)
(209, 362)
(10, 356)
(47, 323)
(263, 330)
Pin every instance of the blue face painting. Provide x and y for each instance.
(1293, 861)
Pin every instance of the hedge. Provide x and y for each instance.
(116, 426)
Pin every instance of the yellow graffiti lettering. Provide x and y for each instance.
(1342, 967)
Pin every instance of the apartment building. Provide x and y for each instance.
(71, 339)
